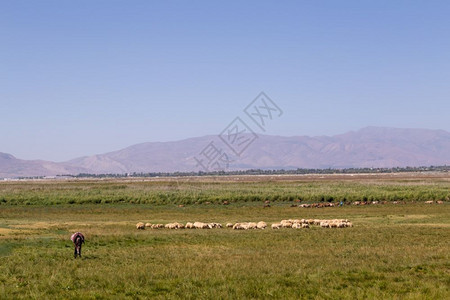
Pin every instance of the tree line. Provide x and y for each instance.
(299, 171)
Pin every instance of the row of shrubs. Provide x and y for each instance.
(161, 193)
(159, 199)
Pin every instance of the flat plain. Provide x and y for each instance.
(393, 251)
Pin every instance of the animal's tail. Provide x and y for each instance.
(79, 240)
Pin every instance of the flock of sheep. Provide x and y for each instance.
(306, 223)
(296, 224)
(431, 202)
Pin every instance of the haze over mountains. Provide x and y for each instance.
(368, 147)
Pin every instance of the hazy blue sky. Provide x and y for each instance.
(86, 77)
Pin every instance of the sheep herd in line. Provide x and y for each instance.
(321, 205)
(296, 224)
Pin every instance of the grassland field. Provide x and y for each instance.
(394, 251)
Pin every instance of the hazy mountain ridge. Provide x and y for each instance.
(368, 147)
(14, 167)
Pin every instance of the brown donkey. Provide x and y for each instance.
(77, 239)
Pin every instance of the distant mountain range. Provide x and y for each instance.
(376, 147)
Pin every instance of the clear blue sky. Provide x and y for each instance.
(85, 77)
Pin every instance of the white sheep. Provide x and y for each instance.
(324, 224)
(252, 225)
(201, 225)
(276, 226)
(215, 225)
(296, 226)
(173, 225)
(261, 225)
(241, 226)
(179, 225)
(286, 225)
(333, 225)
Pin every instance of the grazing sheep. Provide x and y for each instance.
(306, 223)
(252, 225)
(296, 226)
(261, 225)
(276, 226)
(175, 225)
(333, 225)
(244, 226)
(341, 225)
(179, 225)
(286, 223)
(429, 202)
(440, 202)
(240, 226)
(324, 224)
(216, 225)
(198, 225)
(201, 225)
(171, 226)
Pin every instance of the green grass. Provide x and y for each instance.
(392, 252)
(234, 189)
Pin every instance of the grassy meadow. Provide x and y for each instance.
(234, 189)
(394, 251)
